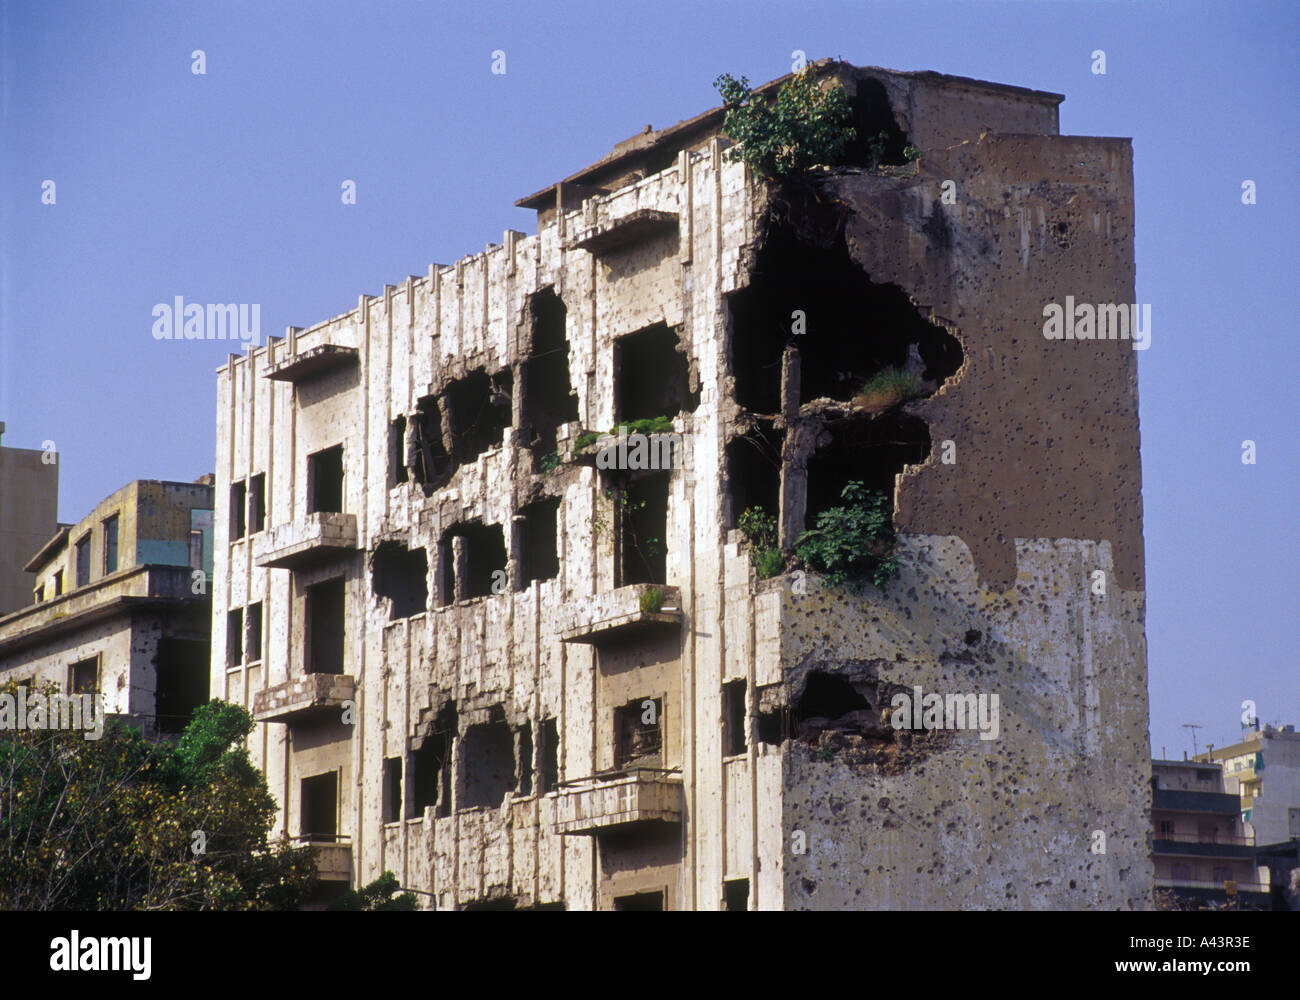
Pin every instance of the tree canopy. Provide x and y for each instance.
(127, 823)
(805, 125)
(376, 896)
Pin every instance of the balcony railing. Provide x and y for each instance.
(1177, 800)
(1187, 883)
(1188, 838)
(602, 802)
(1190, 847)
(333, 854)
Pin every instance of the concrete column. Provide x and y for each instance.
(517, 396)
(460, 562)
(514, 561)
(794, 482)
(445, 413)
(794, 455)
(790, 369)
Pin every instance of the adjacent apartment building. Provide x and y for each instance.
(520, 673)
(1201, 850)
(29, 503)
(1264, 769)
(122, 606)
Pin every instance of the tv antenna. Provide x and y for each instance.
(1193, 727)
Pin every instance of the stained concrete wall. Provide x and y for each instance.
(1012, 540)
(1046, 431)
(125, 669)
(29, 500)
(501, 650)
(153, 528)
(1008, 822)
(126, 648)
(120, 618)
(1275, 810)
(951, 820)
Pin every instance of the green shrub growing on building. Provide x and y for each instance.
(759, 527)
(803, 126)
(853, 543)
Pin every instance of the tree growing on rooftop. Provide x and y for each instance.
(804, 125)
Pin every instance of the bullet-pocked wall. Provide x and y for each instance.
(1020, 527)
(437, 367)
(124, 608)
(544, 721)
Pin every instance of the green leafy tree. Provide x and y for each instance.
(853, 542)
(805, 125)
(378, 895)
(125, 823)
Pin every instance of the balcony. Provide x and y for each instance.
(619, 614)
(305, 541)
(333, 855)
(312, 363)
(1187, 846)
(1177, 800)
(605, 234)
(122, 593)
(1203, 886)
(312, 694)
(603, 802)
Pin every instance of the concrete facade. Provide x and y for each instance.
(1264, 769)
(518, 679)
(29, 502)
(121, 609)
(1202, 851)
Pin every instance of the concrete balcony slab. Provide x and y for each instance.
(306, 541)
(311, 363)
(618, 614)
(600, 803)
(312, 694)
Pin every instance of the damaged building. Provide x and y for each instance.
(521, 679)
(121, 606)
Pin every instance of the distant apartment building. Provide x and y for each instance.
(29, 501)
(1264, 769)
(121, 605)
(520, 677)
(1200, 849)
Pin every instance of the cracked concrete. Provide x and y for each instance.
(999, 548)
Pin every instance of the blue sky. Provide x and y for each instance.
(225, 187)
